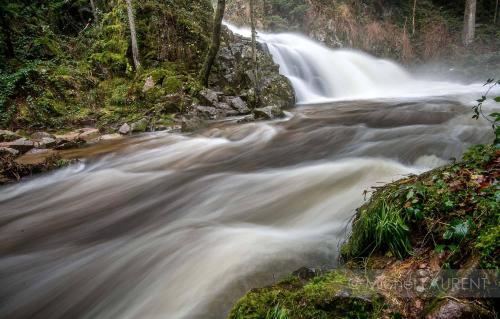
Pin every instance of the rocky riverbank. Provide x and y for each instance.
(234, 95)
(423, 247)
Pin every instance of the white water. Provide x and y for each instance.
(320, 74)
(176, 226)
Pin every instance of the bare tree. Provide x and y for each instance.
(94, 10)
(254, 52)
(133, 35)
(413, 18)
(469, 22)
(496, 12)
(215, 43)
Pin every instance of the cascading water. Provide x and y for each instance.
(172, 226)
(320, 74)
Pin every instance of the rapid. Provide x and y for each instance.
(181, 226)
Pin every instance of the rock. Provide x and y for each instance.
(8, 136)
(124, 129)
(140, 126)
(46, 142)
(232, 74)
(456, 309)
(70, 136)
(8, 151)
(246, 119)
(38, 136)
(193, 123)
(149, 84)
(305, 273)
(268, 112)
(89, 135)
(208, 97)
(22, 145)
(107, 137)
(69, 140)
(227, 110)
(239, 105)
(207, 112)
(64, 144)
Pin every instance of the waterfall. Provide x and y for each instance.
(320, 74)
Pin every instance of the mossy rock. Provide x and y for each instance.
(335, 294)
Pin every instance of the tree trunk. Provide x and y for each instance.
(496, 13)
(9, 47)
(133, 35)
(469, 22)
(215, 44)
(413, 19)
(94, 10)
(254, 52)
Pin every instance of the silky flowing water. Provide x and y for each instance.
(181, 226)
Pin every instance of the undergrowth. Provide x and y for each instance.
(454, 208)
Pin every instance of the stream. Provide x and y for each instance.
(181, 226)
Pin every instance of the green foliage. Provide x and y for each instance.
(277, 313)
(488, 244)
(458, 229)
(65, 68)
(445, 209)
(284, 15)
(321, 297)
(382, 227)
(174, 30)
(110, 48)
(493, 118)
(9, 84)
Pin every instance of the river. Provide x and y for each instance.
(180, 226)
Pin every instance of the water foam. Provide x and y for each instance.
(320, 74)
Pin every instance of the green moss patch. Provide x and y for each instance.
(331, 295)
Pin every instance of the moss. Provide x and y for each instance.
(172, 84)
(86, 76)
(488, 245)
(445, 209)
(332, 295)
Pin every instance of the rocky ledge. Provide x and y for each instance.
(239, 89)
(24, 154)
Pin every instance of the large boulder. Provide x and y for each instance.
(209, 97)
(22, 145)
(89, 134)
(227, 110)
(207, 112)
(239, 105)
(8, 136)
(234, 73)
(76, 138)
(268, 113)
(46, 142)
(124, 129)
(192, 123)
